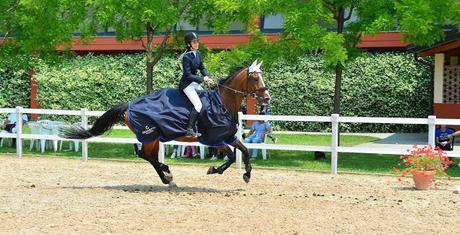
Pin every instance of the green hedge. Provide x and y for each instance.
(379, 85)
(14, 82)
(99, 82)
(375, 85)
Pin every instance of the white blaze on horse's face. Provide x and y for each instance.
(259, 85)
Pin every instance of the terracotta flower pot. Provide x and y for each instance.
(423, 179)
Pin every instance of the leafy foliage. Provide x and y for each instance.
(14, 80)
(375, 85)
(99, 82)
(379, 85)
(40, 26)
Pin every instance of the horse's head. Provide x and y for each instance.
(243, 82)
(256, 85)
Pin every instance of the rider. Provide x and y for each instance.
(190, 81)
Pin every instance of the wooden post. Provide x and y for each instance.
(33, 94)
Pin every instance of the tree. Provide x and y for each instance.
(37, 27)
(335, 27)
(136, 19)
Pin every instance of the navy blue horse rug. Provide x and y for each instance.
(165, 115)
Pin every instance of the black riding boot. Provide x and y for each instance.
(191, 122)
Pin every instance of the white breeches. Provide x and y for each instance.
(190, 91)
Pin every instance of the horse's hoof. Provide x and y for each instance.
(211, 170)
(246, 178)
(172, 185)
(168, 176)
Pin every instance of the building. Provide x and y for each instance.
(446, 92)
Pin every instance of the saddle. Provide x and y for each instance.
(165, 115)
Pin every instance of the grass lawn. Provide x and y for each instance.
(347, 162)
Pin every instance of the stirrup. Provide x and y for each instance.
(191, 133)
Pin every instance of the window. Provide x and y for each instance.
(272, 23)
(186, 26)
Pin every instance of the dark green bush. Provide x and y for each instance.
(375, 85)
(14, 82)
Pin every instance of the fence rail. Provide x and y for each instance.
(334, 119)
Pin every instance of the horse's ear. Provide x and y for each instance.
(253, 66)
(258, 66)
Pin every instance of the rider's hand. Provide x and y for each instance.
(209, 81)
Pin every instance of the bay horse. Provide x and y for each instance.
(241, 83)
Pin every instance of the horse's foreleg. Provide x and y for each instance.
(231, 159)
(247, 163)
(149, 152)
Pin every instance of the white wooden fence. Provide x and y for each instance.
(334, 119)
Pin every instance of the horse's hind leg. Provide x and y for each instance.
(226, 165)
(149, 152)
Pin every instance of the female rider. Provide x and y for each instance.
(190, 81)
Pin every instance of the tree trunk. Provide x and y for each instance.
(149, 74)
(151, 60)
(338, 70)
(148, 49)
(337, 91)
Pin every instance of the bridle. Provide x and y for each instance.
(245, 93)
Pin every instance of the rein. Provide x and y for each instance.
(244, 93)
(234, 90)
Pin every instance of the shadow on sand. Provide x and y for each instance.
(134, 188)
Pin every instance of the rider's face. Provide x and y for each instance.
(195, 44)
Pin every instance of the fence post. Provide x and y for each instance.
(19, 131)
(161, 153)
(334, 142)
(239, 135)
(84, 143)
(431, 130)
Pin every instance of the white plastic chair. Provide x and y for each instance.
(76, 143)
(46, 129)
(35, 128)
(60, 124)
(55, 127)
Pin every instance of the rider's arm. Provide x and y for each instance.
(203, 69)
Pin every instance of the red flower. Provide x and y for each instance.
(423, 158)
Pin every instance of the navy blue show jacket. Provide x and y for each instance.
(190, 65)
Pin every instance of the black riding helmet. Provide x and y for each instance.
(189, 37)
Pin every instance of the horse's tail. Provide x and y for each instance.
(100, 126)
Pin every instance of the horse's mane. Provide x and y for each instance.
(232, 75)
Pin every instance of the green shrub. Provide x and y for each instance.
(375, 85)
(99, 82)
(14, 82)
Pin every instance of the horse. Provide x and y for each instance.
(232, 90)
